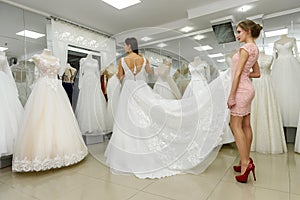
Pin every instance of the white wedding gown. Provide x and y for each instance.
(266, 122)
(155, 137)
(165, 86)
(91, 104)
(11, 110)
(49, 135)
(286, 80)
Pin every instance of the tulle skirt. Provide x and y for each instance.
(11, 112)
(266, 122)
(163, 89)
(155, 137)
(49, 135)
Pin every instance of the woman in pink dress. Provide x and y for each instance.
(242, 94)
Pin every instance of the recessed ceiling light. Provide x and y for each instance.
(161, 45)
(276, 32)
(30, 34)
(186, 29)
(121, 4)
(215, 55)
(3, 48)
(199, 37)
(203, 48)
(145, 39)
(221, 60)
(244, 8)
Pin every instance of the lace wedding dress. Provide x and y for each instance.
(49, 135)
(11, 109)
(155, 137)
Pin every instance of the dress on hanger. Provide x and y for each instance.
(165, 86)
(266, 122)
(91, 103)
(11, 109)
(286, 80)
(49, 135)
(155, 137)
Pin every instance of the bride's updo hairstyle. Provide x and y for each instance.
(252, 26)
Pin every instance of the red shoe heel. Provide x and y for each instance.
(244, 177)
(238, 168)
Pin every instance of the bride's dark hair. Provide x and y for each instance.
(133, 44)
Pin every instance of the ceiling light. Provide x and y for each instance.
(221, 60)
(203, 48)
(30, 34)
(244, 8)
(3, 48)
(199, 37)
(186, 29)
(161, 45)
(145, 39)
(121, 4)
(283, 31)
(215, 55)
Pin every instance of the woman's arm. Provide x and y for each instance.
(236, 78)
(120, 71)
(256, 71)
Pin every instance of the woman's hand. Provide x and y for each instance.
(231, 102)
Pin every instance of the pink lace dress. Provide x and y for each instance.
(245, 91)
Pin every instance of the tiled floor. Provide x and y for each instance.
(278, 178)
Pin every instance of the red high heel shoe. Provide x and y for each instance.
(237, 168)
(244, 177)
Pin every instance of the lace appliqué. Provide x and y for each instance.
(39, 164)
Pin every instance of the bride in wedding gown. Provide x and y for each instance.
(155, 137)
(49, 135)
(11, 109)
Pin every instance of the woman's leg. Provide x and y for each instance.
(248, 132)
(240, 139)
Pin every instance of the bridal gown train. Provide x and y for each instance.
(155, 137)
(11, 109)
(49, 135)
(286, 80)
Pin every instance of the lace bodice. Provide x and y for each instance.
(129, 75)
(90, 67)
(198, 72)
(285, 49)
(46, 68)
(265, 62)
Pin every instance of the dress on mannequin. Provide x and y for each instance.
(266, 122)
(68, 80)
(165, 86)
(181, 78)
(11, 109)
(286, 80)
(155, 137)
(49, 135)
(91, 103)
(198, 78)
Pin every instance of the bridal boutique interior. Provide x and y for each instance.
(177, 37)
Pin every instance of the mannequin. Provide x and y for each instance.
(165, 86)
(205, 68)
(266, 122)
(181, 78)
(68, 80)
(91, 104)
(49, 136)
(286, 74)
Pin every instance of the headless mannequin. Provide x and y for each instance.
(69, 74)
(47, 55)
(206, 72)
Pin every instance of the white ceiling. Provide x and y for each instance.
(169, 16)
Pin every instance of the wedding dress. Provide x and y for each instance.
(11, 109)
(155, 137)
(49, 135)
(266, 122)
(286, 79)
(91, 104)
